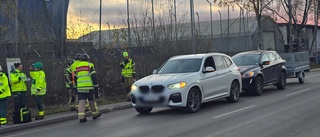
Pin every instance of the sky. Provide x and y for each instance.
(83, 15)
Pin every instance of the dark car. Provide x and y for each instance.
(259, 69)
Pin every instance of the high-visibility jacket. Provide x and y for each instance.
(84, 72)
(38, 82)
(16, 84)
(74, 65)
(128, 68)
(4, 86)
(68, 77)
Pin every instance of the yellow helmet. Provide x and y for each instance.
(125, 54)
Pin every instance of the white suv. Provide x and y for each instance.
(187, 81)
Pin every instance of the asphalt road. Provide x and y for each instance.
(293, 112)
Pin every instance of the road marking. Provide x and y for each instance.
(298, 92)
(234, 111)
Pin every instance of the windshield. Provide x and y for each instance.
(246, 59)
(180, 66)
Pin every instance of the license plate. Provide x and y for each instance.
(151, 98)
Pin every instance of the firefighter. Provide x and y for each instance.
(73, 71)
(70, 87)
(5, 93)
(87, 87)
(38, 87)
(18, 81)
(128, 72)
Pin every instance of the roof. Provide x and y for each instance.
(194, 56)
(252, 52)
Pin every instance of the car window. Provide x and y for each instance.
(180, 66)
(209, 63)
(265, 58)
(219, 62)
(277, 55)
(246, 59)
(228, 62)
(271, 56)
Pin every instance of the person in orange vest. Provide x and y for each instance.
(5, 93)
(128, 72)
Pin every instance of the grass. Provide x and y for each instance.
(314, 66)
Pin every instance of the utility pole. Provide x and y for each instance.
(211, 19)
(128, 20)
(192, 25)
(220, 28)
(315, 30)
(153, 30)
(100, 24)
(175, 20)
(17, 27)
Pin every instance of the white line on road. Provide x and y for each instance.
(234, 111)
(298, 92)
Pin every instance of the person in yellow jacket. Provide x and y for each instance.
(87, 86)
(38, 87)
(128, 72)
(70, 87)
(5, 93)
(18, 81)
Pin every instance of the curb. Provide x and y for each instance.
(312, 70)
(54, 120)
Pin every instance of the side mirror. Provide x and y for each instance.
(154, 71)
(266, 63)
(209, 69)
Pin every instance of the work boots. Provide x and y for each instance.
(39, 117)
(96, 116)
(83, 120)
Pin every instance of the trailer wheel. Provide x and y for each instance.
(301, 77)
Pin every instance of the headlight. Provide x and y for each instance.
(177, 85)
(134, 87)
(248, 74)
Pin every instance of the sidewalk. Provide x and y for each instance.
(60, 117)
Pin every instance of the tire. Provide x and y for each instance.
(193, 101)
(301, 80)
(282, 81)
(234, 92)
(143, 110)
(258, 86)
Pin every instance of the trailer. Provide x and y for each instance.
(297, 63)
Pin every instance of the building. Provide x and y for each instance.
(242, 35)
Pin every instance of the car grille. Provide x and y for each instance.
(144, 89)
(155, 89)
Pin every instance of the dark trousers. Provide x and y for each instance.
(39, 102)
(19, 99)
(3, 110)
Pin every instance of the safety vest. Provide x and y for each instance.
(74, 65)
(4, 86)
(128, 68)
(84, 70)
(68, 74)
(38, 82)
(16, 84)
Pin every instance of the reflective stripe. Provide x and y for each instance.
(3, 121)
(81, 114)
(41, 113)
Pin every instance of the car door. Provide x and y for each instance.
(223, 75)
(266, 69)
(274, 67)
(207, 78)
